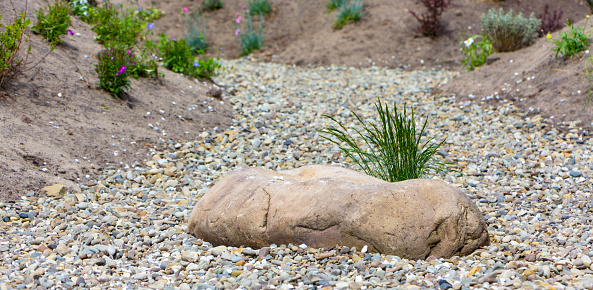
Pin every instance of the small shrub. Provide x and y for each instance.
(590, 4)
(205, 67)
(475, 53)
(508, 32)
(394, 152)
(195, 34)
(550, 22)
(335, 4)
(11, 63)
(211, 5)
(249, 40)
(80, 8)
(258, 7)
(146, 61)
(430, 21)
(352, 11)
(572, 42)
(147, 14)
(54, 24)
(110, 28)
(114, 67)
(176, 54)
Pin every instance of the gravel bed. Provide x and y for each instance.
(127, 229)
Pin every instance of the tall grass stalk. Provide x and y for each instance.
(394, 152)
(250, 40)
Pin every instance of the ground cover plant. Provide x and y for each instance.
(11, 39)
(390, 149)
(508, 32)
(147, 14)
(80, 8)
(249, 40)
(351, 11)
(55, 23)
(430, 20)
(571, 42)
(550, 22)
(211, 5)
(475, 52)
(109, 27)
(258, 7)
(176, 54)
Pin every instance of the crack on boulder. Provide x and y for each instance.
(374, 247)
(265, 221)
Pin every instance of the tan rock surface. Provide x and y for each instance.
(323, 206)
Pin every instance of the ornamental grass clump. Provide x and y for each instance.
(335, 4)
(508, 32)
(249, 40)
(352, 11)
(571, 42)
(430, 20)
(390, 150)
(53, 24)
(114, 67)
(194, 33)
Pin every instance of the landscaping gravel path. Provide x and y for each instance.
(127, 230)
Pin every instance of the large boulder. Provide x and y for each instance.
(325, 206)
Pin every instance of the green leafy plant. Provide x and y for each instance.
(176, 54)
(249, 40)
(11, 63)
(54, 24)
(390, 150)
(114, 67)
(475, 52)
(147, 14)
(110, 28)
(195, 33)
(80, 8)
(352, 11)
(507, 32)
(205, 67)
(572, 42)
(211, 5)
(259, 7)
(335, 4)
(146, 61)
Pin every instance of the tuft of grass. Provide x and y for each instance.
(589, 77)
(352, 11)
(390, 150)
(335, 4)
(211, 5)
(259, 7)
(249, 40)
(195, 33)
(53, 24)
(508, 32)
(430, 20)
(572, 42)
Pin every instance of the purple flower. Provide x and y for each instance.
(150, 25)
(70, 32)
(174, 39)
(133, 63)
(139, 9)
(196, 64)
(121, 70)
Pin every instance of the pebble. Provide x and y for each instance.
(128, 228)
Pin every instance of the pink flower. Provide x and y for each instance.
(237, 32)
(242, 6)
(238, 20)
(121, 70)
(185, 9)
(70, 32)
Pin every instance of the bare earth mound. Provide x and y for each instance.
(534, 80)
(49, 139)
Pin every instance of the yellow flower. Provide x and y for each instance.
(587, 16)
(549, 36)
